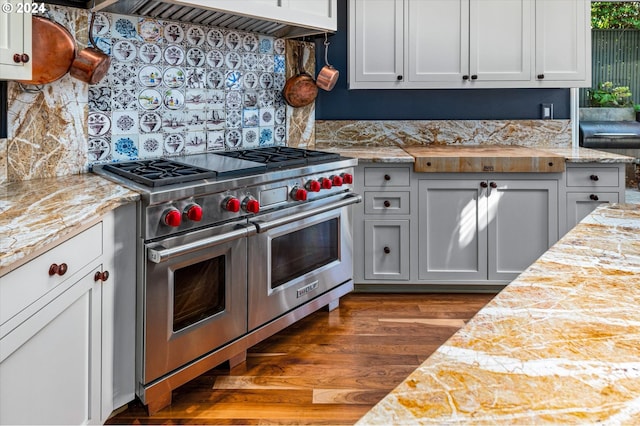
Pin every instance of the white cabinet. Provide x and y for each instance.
(386, 249)
(59, 335)
(15, 41)
(474, 231)
(417, 44)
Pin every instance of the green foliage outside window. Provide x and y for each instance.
(611, 96)
(615, 15)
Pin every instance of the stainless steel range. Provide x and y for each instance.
(233, 247)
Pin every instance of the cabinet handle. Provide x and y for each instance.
(399, 78)
(60, 269)
(465, 77)
(387, 203)
(594, 197)
(387, 177)
(540, 76)
(594, 178)
(386, 250)
(493, 185)
(483, 184)
(101, 276)
(474, 77)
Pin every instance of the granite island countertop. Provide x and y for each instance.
(37, 214)
(560, 344)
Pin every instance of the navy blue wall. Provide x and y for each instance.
(495, 104)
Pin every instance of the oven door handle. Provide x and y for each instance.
(159, 255)
(346, 201)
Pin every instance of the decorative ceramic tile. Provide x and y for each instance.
(266, 98)
(195, 142)
(150, 76)
(215, 140)
(216, 99)
(250, 99)
(233, 40)
(234, 99)
(150, 145)
(250, 80)
(103, 44)
(174, 77)
(124, 51)
(215, 58)
(267, 116)
(266, 44)
(233, 138)
(101, 25)
(215, 38)
(195, 57)
(233, 80)
(216, 119)
(281, 116)
(233, 60)
(279, 81)
(250, 137)
(150, 122)
(266, 136)
(195, 120)
(124, 122)
(266, 80)
(125, 27)
(250, 117)
(150, 99)
(215, 79)
(122, 74)
(174, 99)
(99, 124)
(173, 143)
(279, 134)
(98, 149)
(233, 118)
(279, 64)
(279, 46)
(250, 61)
(195, 35)
(150, 53)
(123, 98)
(195, 99)
(99, 98)
(125, 147)
(173, 33)
(266, 63)
(174, 54)
(150, 30)
(174, 122)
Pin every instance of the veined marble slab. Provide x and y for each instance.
(588, 155)
(560, 344)
(36, 214)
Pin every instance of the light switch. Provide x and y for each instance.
(547, 111)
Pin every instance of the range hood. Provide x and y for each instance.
(274, 17)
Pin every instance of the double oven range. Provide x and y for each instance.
(232, 247)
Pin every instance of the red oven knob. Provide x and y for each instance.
(231, 204)
(326, 183)
(336, 180)
(347, 178)
(313, 185)
(172, 217)
(193, 212)
(251, 205)
(299, 194)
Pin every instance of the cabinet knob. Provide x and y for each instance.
(101, 276)
(594, 177)
(474, 77)
(493, 185)
(386, 250)
(465, 77)
(483, 184)
(20, 58)
(56, 269)
(387, 177)
(387, 203)
(540, 76)
(399, 78)
(593, 197)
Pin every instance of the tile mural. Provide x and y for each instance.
(177, 88)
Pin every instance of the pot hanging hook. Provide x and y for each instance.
(328, 75)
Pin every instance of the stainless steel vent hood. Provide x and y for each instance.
(277, 18)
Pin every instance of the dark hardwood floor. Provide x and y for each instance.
(328, 368)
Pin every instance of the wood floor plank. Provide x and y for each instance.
(329, 368)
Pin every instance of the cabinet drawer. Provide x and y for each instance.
(28, 283)
(386, 253)
(386, 177)
(592, 176)
(580, 204)
(386, 202)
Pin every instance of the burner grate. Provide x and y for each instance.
(276, 157)
(158, 172)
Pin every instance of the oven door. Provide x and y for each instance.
(195, 297)
(296, 257)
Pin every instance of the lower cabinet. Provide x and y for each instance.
(472, 230)
(386, 249)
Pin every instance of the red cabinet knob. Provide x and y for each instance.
(299, 194)
(336, 180)
(251, 205)
(101, 276)
(194, 212)
(56, 269)
(231, 204)
(326, 183)
(172, 217)
(313, 185)
(347, 178)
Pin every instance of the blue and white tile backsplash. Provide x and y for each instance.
(175, 88)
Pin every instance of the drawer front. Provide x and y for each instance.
(386, 254)
(580, 204)
(386, 203)
(31, 281)
(593, 176)
(386, 177)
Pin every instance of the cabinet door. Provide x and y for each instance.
(386, 249)
(438, 40)
(523, 224)
(15, 38)
(500, 36)
(50, 364)
(376, 42)
(563, 41)
(580, 204)
(452, 230)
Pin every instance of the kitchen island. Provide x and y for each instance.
(557, 345)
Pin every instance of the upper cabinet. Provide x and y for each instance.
(15, 41)
(417, 44)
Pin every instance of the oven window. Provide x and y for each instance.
(199, 292)
(296, 253)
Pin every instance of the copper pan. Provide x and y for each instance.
(328, 75)
(91, 64)
(300, 90)
(53, 51)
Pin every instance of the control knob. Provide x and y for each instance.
(299, 194)
(313, 185)
(347, 178)
(326, 183)
(172, 217)
(251, 205)
(336, 180)
(231, 204)
(193, 212)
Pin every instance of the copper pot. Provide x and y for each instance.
(300, 90)
(328, 75)
(52, 52)
(91, 64)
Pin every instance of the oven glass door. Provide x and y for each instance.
(195, 299)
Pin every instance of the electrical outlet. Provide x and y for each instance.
(547, 111)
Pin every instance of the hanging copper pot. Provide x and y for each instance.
(91, 64)
(328, 75)
(300, 90)
(52, 53)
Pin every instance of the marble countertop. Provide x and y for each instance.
(558, 345)
(37, 214)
